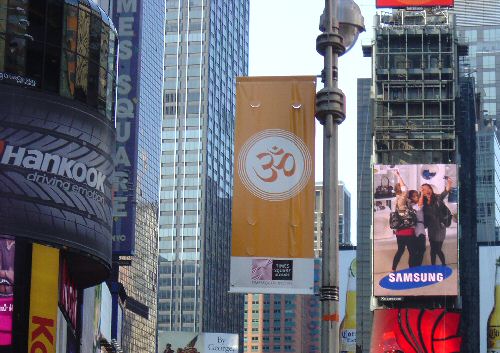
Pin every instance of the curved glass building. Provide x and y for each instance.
(57, 147)
(206, 49)
(65, 47)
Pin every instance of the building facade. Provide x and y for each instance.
(364, 219)
(206, 48)
(344, 216)
(140, 27)
(488, 185)
(482, 13)
(423, 112)
(483, 64)
(138, 331)
(57, 137)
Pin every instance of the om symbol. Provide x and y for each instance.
(275, 160)
(274, 164)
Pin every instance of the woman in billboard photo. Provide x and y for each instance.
(437, 217)
(417, 200)
(405, 217)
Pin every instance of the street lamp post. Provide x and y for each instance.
(330, 112)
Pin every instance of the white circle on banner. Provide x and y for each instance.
(274, 165)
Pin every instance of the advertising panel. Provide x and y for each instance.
(347, 303)
(43, 299)
(127, 18)
(179, 342)
(220, 342)
(413, 3)
(489, 299)
(415, 331)
(105, 320)
(7, 280)
(415, 246)
(273, 203)
(192, 342)
(55, 168)
(68, 294)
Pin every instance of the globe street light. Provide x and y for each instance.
(341, 24)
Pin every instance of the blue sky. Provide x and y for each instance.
(283, 42)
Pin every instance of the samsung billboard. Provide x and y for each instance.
(415, 215)
(56, 164)
(413, 3)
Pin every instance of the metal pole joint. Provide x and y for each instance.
(330, 101)
(329, 293)
(330, 39)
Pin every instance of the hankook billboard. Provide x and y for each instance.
(414, 3)
(415, 246)
(55, 169)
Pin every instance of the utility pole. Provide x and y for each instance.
(330, 113)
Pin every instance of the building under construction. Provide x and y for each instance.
(423, 112)
(415, 85)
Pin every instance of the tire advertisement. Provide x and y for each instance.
(55, 169)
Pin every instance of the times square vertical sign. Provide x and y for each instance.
(126, 17)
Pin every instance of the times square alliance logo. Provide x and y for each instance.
(54, 170)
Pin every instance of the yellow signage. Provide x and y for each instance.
(43, 299)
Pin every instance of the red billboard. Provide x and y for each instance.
(7, 252)
(415, 331)
(414, 3)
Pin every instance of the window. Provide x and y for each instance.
(491, 35)
(489, 77)
(491, 108)
(490, 92)
(471, 35)
(489, 62)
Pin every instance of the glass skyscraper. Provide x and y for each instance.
(140, 279)
(364, 221)
(479, 28)
(206, 48)
(141, 23)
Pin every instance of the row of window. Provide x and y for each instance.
(60, 47)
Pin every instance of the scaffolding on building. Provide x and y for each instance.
(415, 86)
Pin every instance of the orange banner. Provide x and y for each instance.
(273, 204)
(44, 298)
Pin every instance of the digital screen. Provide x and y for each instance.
(489, 298)
(7, 252)
(415, 226)
(414, 3)
(415, 331)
